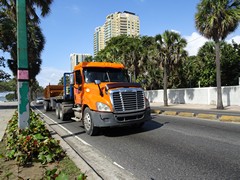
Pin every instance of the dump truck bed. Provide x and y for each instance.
(53, 91)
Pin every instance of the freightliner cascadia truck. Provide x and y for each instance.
(100, 95)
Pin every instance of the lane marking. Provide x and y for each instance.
(78, 138)
(118, 165)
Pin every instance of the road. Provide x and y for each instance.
(168, 147)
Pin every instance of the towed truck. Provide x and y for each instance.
(100, 95)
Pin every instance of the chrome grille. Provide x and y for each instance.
(128, 100)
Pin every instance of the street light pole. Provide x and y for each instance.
(23, 72)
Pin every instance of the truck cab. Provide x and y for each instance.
(102, 96)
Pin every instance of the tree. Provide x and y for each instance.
(215, 19)
(31, 6)
(230, 64)
(206, 56)
(8, 85)
(124, 49)
(170, 51)
(37, 90)
(36, 40)
(3, 75)
(88, 59)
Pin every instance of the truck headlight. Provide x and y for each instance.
(103, 107)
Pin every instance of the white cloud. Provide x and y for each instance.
(194, 42)
(235, 38)
(172, 30)
(49, 75)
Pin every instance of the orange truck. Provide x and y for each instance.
(100, 95)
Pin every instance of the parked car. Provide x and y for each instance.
(39, 101)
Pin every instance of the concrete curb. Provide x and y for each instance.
(224, 118)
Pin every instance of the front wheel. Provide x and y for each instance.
(88, 123)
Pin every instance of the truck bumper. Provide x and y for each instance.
(104, 119)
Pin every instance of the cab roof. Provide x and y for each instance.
(98, 64)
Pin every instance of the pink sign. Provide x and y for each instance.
(23, 74)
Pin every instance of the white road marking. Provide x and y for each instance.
(78, 138)
(118, 165)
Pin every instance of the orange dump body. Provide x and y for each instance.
(53, 91)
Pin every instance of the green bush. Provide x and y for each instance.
(10, 97)
(33, 144)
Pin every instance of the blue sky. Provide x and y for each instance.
(70, 26)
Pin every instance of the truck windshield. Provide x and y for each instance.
(104, 75)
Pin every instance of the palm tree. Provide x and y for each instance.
(170, 49)
(215, 19)
(31, 5)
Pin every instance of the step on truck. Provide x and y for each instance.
(100, 95)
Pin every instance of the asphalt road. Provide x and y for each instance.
(169, 147)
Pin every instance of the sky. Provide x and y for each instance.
(70, 26)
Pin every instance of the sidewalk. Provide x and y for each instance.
(229, 113)
(7, 110)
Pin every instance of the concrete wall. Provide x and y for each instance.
(230, 95)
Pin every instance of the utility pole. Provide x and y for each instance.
(23, 72)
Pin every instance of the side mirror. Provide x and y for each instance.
(97, 82)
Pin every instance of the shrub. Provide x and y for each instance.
(31, 144)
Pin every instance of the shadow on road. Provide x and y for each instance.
(125, 131)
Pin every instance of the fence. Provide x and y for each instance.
(207, 95)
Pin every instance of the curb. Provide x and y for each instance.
(79, 162)
(224, 118)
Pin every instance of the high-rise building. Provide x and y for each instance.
(77, 58)
(116, 24)
(98, 39)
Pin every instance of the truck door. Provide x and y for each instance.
(78, 87)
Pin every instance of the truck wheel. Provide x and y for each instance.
(57, 110)
(62, 114)
(46, 106)
(88, 123)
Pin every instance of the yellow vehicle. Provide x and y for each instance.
(100, 95)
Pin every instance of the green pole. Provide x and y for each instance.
(23, 72)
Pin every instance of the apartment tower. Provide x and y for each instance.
(77, 58)
(116, 24)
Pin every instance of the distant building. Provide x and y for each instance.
(116, 24)
(77, 58)
(98, 39)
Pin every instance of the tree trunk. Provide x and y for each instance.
(218, 74)
(165, 85)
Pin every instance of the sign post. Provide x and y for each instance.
(23, 72)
